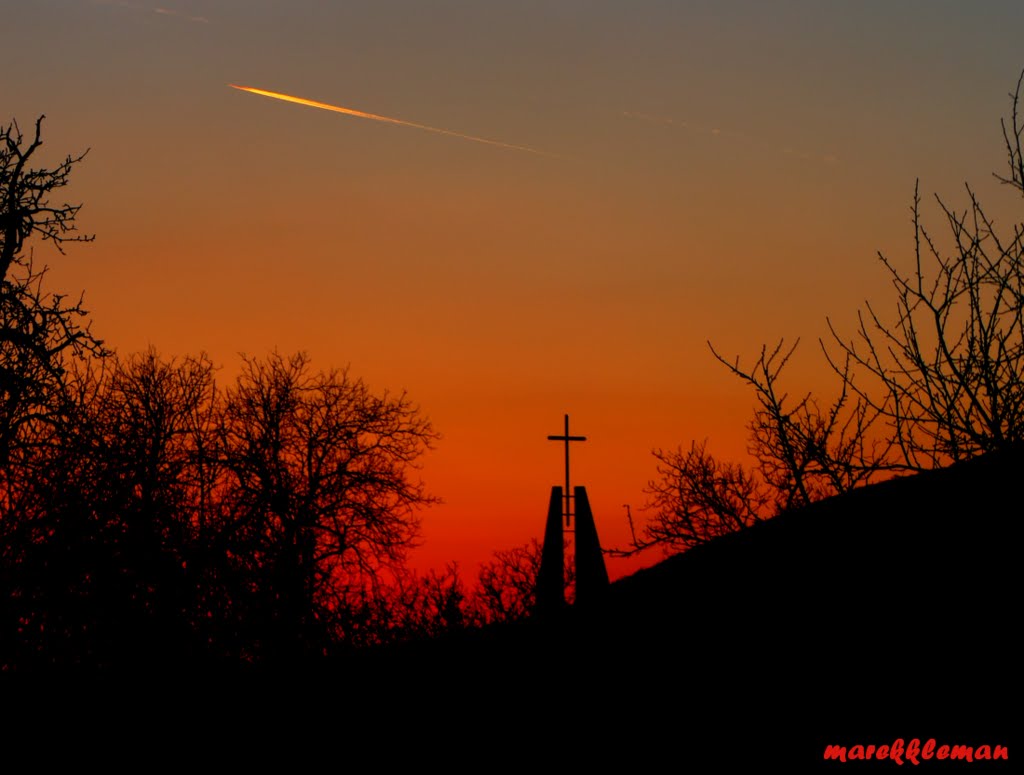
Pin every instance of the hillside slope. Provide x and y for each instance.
(891, 610)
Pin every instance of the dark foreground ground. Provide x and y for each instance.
(891, 612)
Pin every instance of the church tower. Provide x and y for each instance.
(570, 513)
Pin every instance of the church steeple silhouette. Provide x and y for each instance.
(591, 574)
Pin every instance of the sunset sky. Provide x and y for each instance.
(704, 170)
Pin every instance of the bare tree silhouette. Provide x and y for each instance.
(942, 382)
(507, 583)
(319, 487)
(697, 497)
(149, 516)
(410, 606)
(947, 375)
(39, 330)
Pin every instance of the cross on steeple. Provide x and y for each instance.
(567, 438)
(588, 561)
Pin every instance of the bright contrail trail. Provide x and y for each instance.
(373, 117)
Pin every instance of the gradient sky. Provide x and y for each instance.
(718, 170)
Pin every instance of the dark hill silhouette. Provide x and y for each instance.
(890, 611)
(912, 569)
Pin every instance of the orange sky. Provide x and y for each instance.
(727, 171)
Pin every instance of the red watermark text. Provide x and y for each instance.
(915, 752)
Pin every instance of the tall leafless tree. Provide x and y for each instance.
(39, 330)
(941, 381)
(321, 485)
(946, 374)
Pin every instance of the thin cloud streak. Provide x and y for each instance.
(385, 119)
(172, 12)
(826, 158)
(148, 8)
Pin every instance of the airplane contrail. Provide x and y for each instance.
(386, 119)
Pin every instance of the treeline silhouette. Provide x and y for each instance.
(167, 520)
(150, 516)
